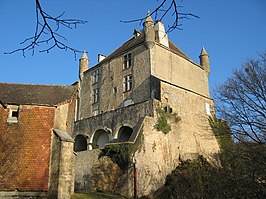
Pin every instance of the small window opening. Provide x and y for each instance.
(127, 61)
(115, 90)
(95, 112)
(168, 109)
(13, 114)
(128, 83)
(95, 76)
(95, 95)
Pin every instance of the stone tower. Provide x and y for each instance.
(204, 60)
(149, 31)
(83, 64)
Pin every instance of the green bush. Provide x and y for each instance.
(162, 125)
(119, 154)
(122, 153)
(162, 121)
(245, 178)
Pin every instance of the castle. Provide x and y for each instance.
(147, 94)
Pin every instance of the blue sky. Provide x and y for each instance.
(230, 30)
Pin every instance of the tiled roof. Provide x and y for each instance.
(35, 94)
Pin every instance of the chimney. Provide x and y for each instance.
(101, 57)
(160, 34)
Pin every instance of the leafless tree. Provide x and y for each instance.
(47, 32)
(167, 8)
(241, 101)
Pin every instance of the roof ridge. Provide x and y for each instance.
(29, 84)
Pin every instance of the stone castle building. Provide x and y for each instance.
(142, 88)
(146, 96)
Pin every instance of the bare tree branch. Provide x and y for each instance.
(166, 8)
(241, 101)
(46, 33)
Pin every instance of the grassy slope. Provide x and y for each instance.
(95, 195)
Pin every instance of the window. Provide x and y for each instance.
(127, 61)
(77, 109)
(208, 109)
(13, 114)
(114, 90)
(95, 95)
(128, 102)
(95, 76)
(128, 83)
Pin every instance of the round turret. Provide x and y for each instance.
(149, 31)
(83, 64)
(204, 60)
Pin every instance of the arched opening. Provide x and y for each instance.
(80, 143)
(124, 133)
(100, 138)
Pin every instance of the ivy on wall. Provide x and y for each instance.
(163, 116)
(122, 153)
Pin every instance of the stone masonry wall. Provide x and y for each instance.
(25, 149)
(54, 167)
(65, 181)
(84, 161)
(170, 67)
(111, 80)
(188, 138)
(113, 120)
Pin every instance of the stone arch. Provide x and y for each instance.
(100, 138)
(124, 133)
(80, 143)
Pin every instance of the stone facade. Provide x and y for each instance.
(122, 98)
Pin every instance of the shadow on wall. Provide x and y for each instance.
(100, 138)
(80, 143)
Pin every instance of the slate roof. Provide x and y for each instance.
(35, 94)
(177, 50)
(64, 136)
(135, 41)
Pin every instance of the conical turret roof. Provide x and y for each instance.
(148, 18)
(203, 51)
(84, 55)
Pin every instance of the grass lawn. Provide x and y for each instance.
(95, 195)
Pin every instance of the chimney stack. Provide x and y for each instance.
(161, 35)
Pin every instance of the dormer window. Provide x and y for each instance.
(95, 76)
(127, 61)
(13, 114)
